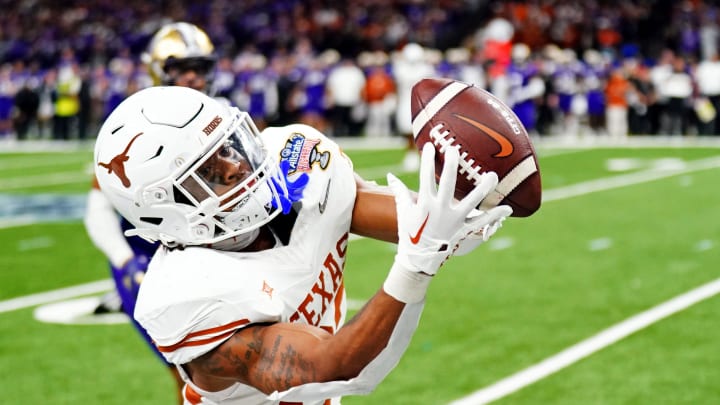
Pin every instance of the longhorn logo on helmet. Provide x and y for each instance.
(117, 164)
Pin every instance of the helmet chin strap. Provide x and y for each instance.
(237, 242)
(246, 213)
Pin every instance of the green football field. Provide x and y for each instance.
(607, 295)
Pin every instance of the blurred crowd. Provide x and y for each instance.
(596, 67)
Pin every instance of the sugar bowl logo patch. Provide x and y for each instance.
(302, 153)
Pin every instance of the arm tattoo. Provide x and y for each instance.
(282, 366)
(278, 365)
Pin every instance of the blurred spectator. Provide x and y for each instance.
(469, 66)
(379, 95)
(348, 110)
(256, 90)
(495, 39)
(594, 80)
(85, 113)
(223, 83)
(27, 102)
(46, 110)
(707, 75)
(99, 84)
(659, 75)
(616, 93)
(526, 87)
(709, 33)
(607, 35)
(67, 103)
(567, 83)
(310, 96)
(679, 91)
(7, 99)
(287, 77)
(688, 36)
(119, 76)
(548, 114)
(640, 100)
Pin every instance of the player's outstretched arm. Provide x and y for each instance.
(279, 356)
(293, 362)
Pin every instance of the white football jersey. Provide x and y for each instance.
(193, 299)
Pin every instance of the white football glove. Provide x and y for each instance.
(472, 241)
(430, 229)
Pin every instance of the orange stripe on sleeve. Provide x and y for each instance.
(186, 342)
(231, 325)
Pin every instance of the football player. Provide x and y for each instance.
(246, 294)
(179, 54)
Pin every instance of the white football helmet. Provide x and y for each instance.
(413, 52)
(179, 46)
(186, 169)
(520, 53)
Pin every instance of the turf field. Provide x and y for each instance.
(544, 313)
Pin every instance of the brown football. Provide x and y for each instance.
(490, 137)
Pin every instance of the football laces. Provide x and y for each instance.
(466, 167)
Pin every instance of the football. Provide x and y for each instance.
(490, 137)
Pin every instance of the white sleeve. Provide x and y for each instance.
(103, 228)
(371, 375)
(187, 312)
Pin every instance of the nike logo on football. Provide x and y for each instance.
(506, 147)
(415, 239)
(323, 204)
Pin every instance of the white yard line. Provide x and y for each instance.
(43, 161)
(55, 295)
(17, 221)
(579, 351)
(43, 180)
(629, 179)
